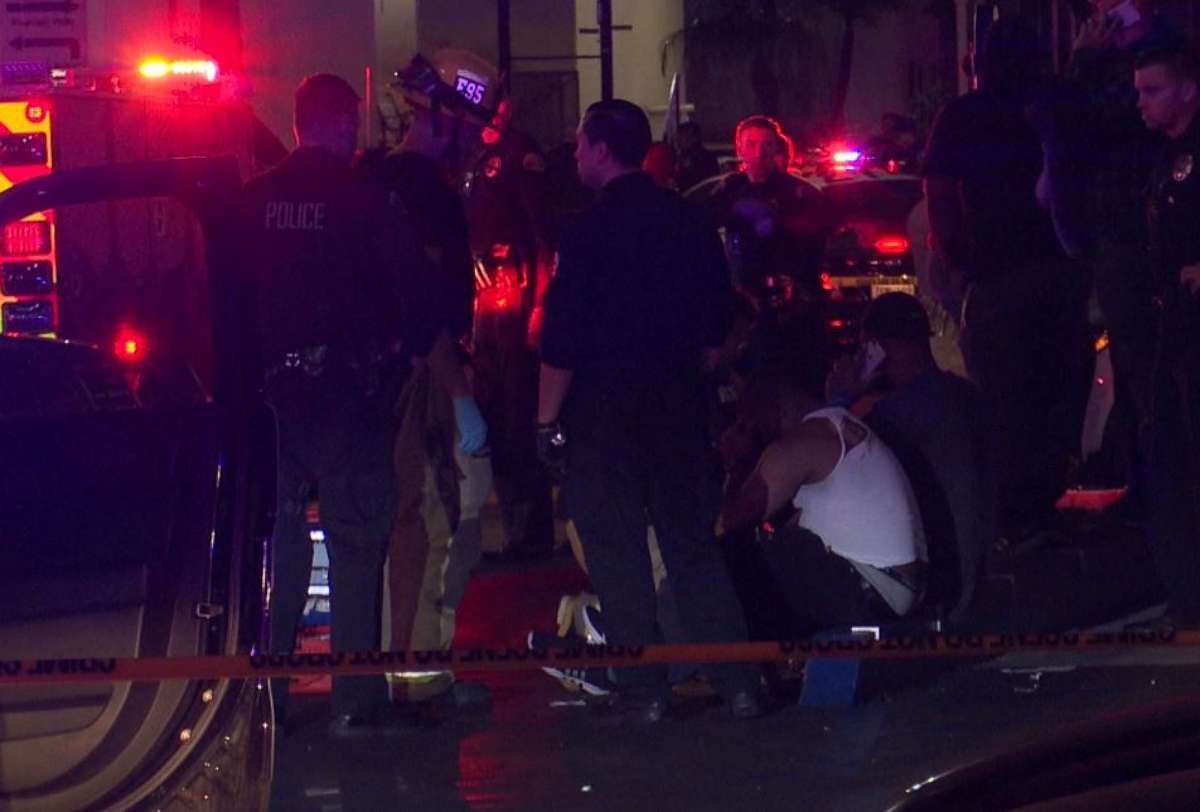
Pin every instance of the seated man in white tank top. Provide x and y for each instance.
(855, 551)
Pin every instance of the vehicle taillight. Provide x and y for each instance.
(892, 245)
(130, 345)
(26, 238)
(827, 282)
(35, 112)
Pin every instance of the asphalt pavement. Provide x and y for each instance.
(537, 747)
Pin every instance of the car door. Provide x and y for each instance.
(131, 529)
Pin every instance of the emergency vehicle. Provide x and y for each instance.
(109, 274)
(869, 251)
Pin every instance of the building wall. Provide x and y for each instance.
(469, 24)
(887, 57)
(637, 54)
(120, 34)
(284, 42)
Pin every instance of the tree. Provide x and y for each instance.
(850, 13)
(775, 37)
(774, 34)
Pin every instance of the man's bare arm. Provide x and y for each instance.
(781, 470)
(806, 455)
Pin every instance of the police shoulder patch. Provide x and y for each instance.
(534, 162)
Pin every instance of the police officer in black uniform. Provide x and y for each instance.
(775, 224)
(339, 280)
(507, 213)
(641, 292)
(1169, 101)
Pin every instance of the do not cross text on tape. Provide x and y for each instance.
(256, 666)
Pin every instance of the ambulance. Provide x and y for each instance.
(111, 274)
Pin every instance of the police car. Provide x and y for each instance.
(131, 525)
(869, 251)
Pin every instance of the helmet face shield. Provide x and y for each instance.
(454, 82)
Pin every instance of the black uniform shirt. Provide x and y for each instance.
(438, 215)
(1119, 148)
(506, 193)
(334, 260)
(1174, 210)
(641, 288)
(775, 227)
(984, 141)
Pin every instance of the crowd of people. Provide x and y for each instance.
(719, 464)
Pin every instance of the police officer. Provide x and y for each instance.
(641, 292)
(338, 280)
(1169, 101)
(775, 224)
(507, 213)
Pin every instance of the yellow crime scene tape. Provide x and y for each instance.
(255, 666)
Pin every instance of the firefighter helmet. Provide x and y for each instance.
(453, 81)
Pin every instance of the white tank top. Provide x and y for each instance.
(865, 509)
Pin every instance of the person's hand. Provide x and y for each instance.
(552, 448)
(1189, 277)
(1096, 32)
(472, 428)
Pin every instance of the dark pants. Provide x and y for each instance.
(335, 445)
(1172, 483)
(506, 380)
(822, 590)
(625, 474)
(1025, 344)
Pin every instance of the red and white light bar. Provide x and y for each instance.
(160, 68)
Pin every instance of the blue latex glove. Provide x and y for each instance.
(472, 428)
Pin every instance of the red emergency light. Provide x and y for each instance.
(159, 68)
(892, 245)
(130, 345)
(27, 238)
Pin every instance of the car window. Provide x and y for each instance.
(131, 324)
(52, 379)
